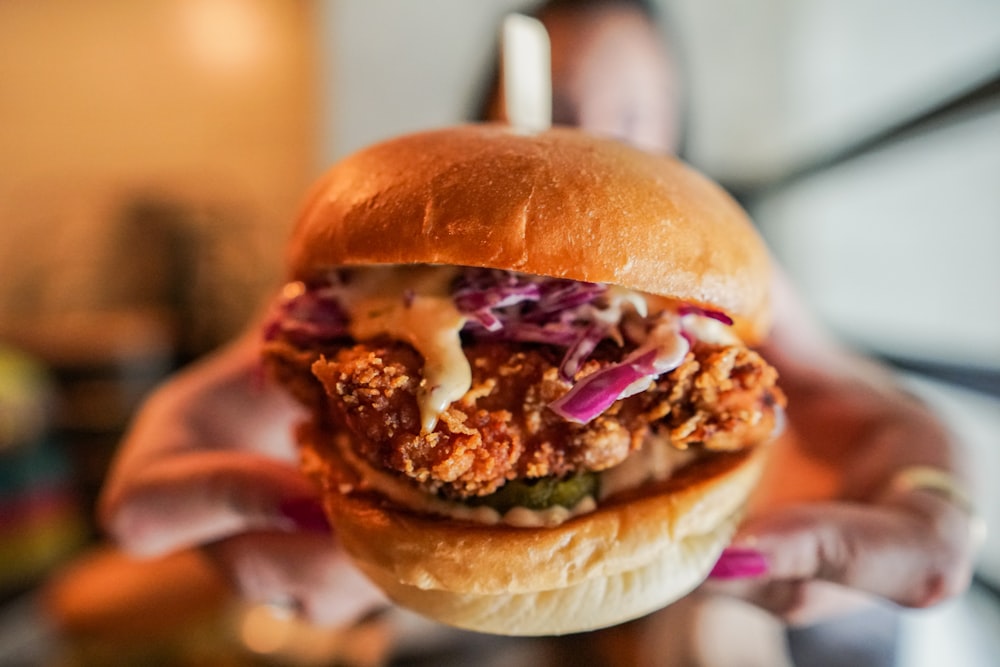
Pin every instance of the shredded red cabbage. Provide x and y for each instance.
(689, 309)
(504, 305)
(307, 316)
(595, 393)
(588, 398)
(581, 349)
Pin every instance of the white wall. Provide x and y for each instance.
(898, 249)
(399, 65)
(778, 83)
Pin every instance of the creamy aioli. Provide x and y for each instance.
(708, 329)
(656, 461)
(404, 495)
(415, 305)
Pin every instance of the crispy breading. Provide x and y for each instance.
(721, 397)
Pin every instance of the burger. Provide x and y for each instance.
(534, 406)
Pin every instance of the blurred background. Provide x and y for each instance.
(153, 154)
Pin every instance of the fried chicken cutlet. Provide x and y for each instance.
(502, 429)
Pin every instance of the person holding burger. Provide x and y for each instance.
(210, 460)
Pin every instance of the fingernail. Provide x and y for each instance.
(739, 564)
(306, 514)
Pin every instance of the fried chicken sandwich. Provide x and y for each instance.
(527, 358)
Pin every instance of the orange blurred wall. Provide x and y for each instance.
(206, 107)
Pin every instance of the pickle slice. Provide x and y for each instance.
(541, 493)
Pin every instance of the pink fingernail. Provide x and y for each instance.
(306, 514)
(739, 564)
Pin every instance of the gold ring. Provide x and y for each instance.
(943, 484)
(933, 480)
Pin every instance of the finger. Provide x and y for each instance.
(308, 572)
(914, 553)
(202, 497)
(796, 602)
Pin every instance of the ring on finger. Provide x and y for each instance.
(944, 485)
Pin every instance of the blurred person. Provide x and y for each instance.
(867, 497)
(210, 461)
(616, 47)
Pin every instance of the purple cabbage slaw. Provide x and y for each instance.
(502, 305)
(509, 306)
(594, 394)
(306, 315)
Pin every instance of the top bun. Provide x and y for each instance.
(559, 203)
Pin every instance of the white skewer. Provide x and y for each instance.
(527, 73)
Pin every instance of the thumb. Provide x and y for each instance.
(200, 497)
(308, 573)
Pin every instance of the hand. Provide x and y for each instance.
(840, 521)
(209, 462)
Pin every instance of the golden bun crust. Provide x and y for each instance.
(592, 604)
(637, 552)
(559, 203)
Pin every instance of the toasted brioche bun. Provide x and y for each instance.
(561, 203)
(636, 553)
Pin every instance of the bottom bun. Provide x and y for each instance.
(591, 604)
(637, 552)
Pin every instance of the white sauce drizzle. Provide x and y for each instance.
(656, 461)
(404, 495)
(708, 329)
(415, 306)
